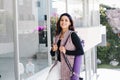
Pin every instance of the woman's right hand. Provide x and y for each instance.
(54, 47)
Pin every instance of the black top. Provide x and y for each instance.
(77, 43)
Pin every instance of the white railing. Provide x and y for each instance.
(92, 36)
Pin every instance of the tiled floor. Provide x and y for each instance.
(102, 74)
(108, 74)
(7, 70)
(7, 67)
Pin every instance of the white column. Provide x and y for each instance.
(85, 13)
(16, 41)
(88, 65)
(94, 63)
(66, 3)
(94, 52)
(48, 32)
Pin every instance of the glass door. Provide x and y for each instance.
(6, 41)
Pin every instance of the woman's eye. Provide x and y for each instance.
(61, 20)
(66, 20)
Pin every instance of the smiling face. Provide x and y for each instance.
(64, 22)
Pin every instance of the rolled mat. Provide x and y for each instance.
(76, 67)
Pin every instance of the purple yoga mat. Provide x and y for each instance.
(76, 67)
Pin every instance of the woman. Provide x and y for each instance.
(66, 42)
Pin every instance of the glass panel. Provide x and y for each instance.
(56, 11)
(38, 4)
(6, 42)
(32, 37)
(2, 22)
(26, 10)
(75, 8)
(58, 7)
(1, 4)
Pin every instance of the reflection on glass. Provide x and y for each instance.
(75, 8)
(30, 68)
(58, 6)
(32, 37)
(6, 42)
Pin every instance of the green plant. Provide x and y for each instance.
(53, 27)
(112, 50)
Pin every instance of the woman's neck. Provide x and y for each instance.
(63, 31)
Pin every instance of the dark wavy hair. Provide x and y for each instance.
(59, 29)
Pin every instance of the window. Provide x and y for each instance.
(38, 4)
(75, 8)
(1, 4)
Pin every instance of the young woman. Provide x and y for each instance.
(66, 42)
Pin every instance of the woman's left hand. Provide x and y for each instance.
(62, 49)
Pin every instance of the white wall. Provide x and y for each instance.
(92, 36)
